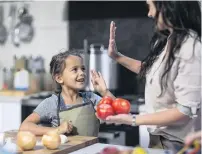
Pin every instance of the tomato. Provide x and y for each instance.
(110, 150)
(104, 110)
(106, 100)
(121, 106)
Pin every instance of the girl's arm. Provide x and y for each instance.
(30, 124)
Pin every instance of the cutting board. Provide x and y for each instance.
(74, 143)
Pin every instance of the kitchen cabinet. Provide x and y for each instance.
(10, 112)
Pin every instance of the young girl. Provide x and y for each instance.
(68, 111)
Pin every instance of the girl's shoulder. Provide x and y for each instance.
(51, 101)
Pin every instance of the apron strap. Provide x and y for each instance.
(58, 109)
(89, 101)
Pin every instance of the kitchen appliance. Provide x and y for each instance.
(97, 59)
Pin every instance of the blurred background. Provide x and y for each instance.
(31, 32)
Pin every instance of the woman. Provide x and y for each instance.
(172, 71)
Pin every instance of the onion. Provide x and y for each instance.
(26, 140)
(51, 140)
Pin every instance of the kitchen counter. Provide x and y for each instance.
(77, 145)
(96, 148)
(23, 95)
(14, 93)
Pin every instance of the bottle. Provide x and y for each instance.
(21, 80)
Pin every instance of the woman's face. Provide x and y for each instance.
(152, 14)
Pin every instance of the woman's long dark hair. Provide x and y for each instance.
(184, 16)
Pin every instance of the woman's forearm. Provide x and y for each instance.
(129, 63)
(160, 118)
(36, 129)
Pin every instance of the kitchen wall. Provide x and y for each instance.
(51, 32)
(134, 31)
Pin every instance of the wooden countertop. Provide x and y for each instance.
(74, 143)
(14, 93)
